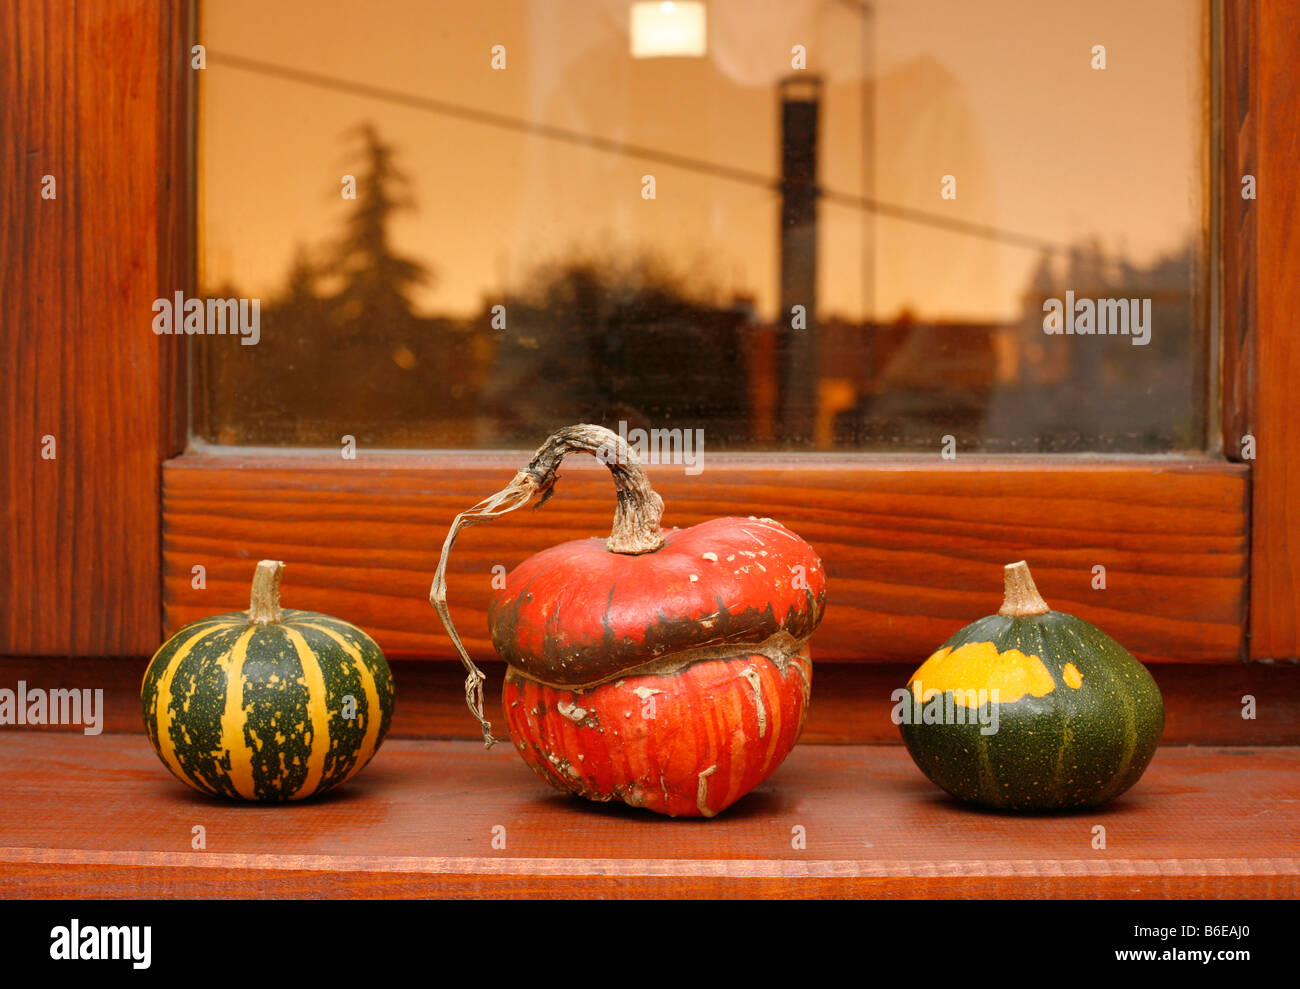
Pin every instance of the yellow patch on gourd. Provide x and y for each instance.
(165, 721)
(313, 678)
(979, 666)
(1073, 677)
(372, 718)
(234, 718)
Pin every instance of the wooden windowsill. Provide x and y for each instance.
(914, 548)
(101, 817)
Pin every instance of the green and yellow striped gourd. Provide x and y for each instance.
(267, 704)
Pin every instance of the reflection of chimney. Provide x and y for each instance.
(797, 348)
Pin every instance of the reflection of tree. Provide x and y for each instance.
(1102, 392)
(377, 283)
(301, 281)
(607, 337)
(604, 340)
(1015, 388)
(342, 349)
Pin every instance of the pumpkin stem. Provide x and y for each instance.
(636, 527)
(1021, 597)
(264, 601)
(637, 516)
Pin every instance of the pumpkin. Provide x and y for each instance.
(667, 669)
(267, 704)
(1031, 709)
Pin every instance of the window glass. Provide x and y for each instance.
(793, 224)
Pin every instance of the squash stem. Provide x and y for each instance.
(636, 522)
(639, 511)
(264, 600)
(1021, 596)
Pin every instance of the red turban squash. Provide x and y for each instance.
(668, 669)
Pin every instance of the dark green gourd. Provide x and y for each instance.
(1077, 718)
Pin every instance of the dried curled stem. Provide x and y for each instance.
(636, 526)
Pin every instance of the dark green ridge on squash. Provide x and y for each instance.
(1071, 748)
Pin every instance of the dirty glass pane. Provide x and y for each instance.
(795, 225)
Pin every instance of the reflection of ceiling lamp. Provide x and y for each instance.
(667, 28)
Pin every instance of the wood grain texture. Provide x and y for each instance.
(1237, 134)
(101, 817)
(851, 701)
(1275, 424)
(79, 535)
(914, 550)
(177, 230)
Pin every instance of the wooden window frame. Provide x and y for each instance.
(1202, 553)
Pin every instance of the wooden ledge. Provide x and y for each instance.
(913, 547)
(100, 817)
